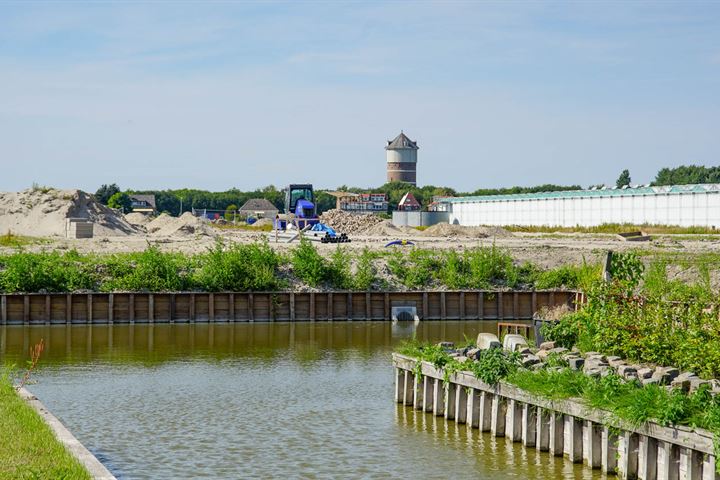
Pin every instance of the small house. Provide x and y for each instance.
(408, 203)
(143, 204)
(258, 208)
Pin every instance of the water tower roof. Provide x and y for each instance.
(401, 142)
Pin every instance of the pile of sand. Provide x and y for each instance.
(137, 219)
(448, 230)
(263, 222)
(43, 212)
(185, 225)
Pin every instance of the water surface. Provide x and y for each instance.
(263, 400)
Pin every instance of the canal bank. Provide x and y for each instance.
(179, 307)
(568, 427)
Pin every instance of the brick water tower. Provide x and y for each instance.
(402, 160)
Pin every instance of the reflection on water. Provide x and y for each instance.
(264, 400)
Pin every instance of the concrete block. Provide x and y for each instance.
(691, 463)
(557, 434)
(592, 443)
(418, 389)
(573, 439)
(529, 425)
(647, 458)
(473, 353)
(488, 340)
(438, 398)
(428, 392)
(499, 409)
(486, 415)
(668, 459)
(450, 390)
(513, 422)
(608, 451)
(547, 345)
(576, 363)
(512, 341)
(399, 385)
(460, 404)
(529, 360)
(542, 429)
(408, 387)
(645, 372)
(472, 409)
(628, 456)
(708, 468)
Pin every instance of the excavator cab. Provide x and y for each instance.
(300, 209)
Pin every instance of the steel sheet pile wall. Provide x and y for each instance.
(561, 427)
(99, 308)
(686, 205)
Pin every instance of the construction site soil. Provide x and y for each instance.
(43, 213)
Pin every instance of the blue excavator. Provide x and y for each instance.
(300, 209)
(300, 216)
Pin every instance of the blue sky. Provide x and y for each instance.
(218, 95)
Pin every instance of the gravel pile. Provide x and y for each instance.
(351, 223)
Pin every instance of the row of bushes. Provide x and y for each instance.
(245, 267)
(641, 315)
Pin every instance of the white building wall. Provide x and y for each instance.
(683, 209)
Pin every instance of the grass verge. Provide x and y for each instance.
(615, 228)
(28, 448)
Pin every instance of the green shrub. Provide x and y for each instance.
(365, 273)
(46, 272)
(308, 265)
(568, 276)
(150, 270)
(338, 269)
(239, 268)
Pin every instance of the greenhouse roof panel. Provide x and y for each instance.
(607, 192)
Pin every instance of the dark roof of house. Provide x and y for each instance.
(401, 141)
(258, 205)
(149, 199)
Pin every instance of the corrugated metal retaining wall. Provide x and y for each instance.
(99, 308)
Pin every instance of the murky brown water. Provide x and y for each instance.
(264, 400)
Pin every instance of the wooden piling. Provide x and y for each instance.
(438, 398)
(461, 399)
(499, 412)
(529, 425)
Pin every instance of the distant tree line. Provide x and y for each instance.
(170, 200)
(687, 174)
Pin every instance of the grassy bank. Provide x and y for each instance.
(629, 402)
(245, 267)
(28, 448)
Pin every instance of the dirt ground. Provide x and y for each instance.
(41, 213)
(545, 250)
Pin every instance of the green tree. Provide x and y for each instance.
(624, 179)
(120, 200)
(104, 193)
(230, 212)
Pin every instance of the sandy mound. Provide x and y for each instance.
(448, 230)
(185, 225)
(42, 212)
(138, 218)
(263, 222)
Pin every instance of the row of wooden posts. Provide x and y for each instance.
(89, 308)
(562, 428)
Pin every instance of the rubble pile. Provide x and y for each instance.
(351, 223)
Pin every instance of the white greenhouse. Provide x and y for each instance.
(682, 205)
